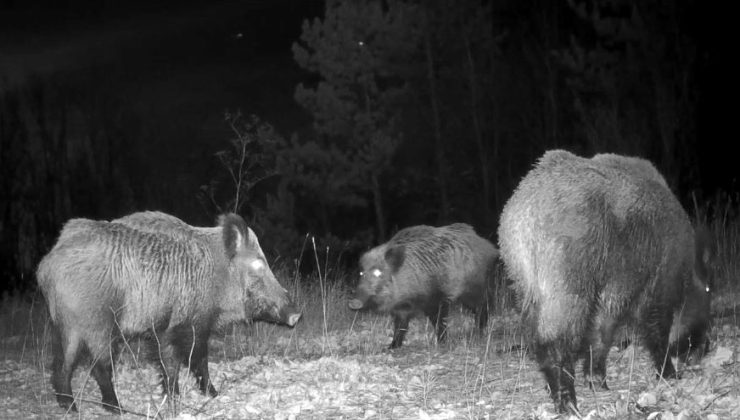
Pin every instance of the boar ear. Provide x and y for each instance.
(235, 232)
(394, 256)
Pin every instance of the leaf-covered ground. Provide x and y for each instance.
(345, 374)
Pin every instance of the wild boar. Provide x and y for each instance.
(423, 269)
(594, 244)
(106, 282)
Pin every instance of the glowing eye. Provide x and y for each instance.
(256, 264)
(707, 289)
(362, 273)
(377, 273)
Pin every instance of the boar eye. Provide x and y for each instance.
(257, 264)
(362, 273)
(707, 289)
(377, 273)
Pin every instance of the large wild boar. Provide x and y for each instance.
(422, 269)
(105, 282)
(593, 244)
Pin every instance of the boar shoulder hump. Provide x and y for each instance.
(461, 227)
(411, 234)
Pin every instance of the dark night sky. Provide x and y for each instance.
(193, 55)
(717, 114)
(179, 64)
(203, 57)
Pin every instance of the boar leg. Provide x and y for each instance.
(481, 316)
(102, 371)
(400, 326)
(560, 323)
(169, 363)
(559, 373)
(66, 346)
(655, 323)
(102, 348)
(437, 317)
(198, 362)
(597, 350)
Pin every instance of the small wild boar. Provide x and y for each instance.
(423, 269)
(107, 281)
(594, 244)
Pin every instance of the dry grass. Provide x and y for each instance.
(338, 359)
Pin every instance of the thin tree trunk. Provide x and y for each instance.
(379, 212)
(444, 201)
(64, 175)
(52, 132)
(478, 133)
(375, 182)
(496, 144)
(550, 24)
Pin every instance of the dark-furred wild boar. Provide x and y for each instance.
(593, 244)
(105, 282)
(422, 269)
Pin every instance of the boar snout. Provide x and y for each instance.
(361, 300)
(355, 304)
(290, 315)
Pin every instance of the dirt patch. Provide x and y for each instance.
(469, 378)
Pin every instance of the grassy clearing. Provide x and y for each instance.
(335, 363)
(341, 361)
(328, 329)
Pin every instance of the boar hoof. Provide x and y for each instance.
(570, 408)
(596, 383)
(212, 391)
(113, 408)
(669, 372)
(67, 403)
(68, 406)
(668, 375)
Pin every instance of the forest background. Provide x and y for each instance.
(342, 120)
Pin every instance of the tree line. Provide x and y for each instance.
(418, 112)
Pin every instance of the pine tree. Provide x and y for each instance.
(355, 50)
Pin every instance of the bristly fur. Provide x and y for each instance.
(592, 244)
(158, 222)
(152, 274)
(423, 269)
